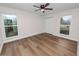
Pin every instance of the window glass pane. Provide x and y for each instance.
(64, 29)
(65, 20)
(65, 25)
(10, 23)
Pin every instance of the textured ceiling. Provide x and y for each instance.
(57, 7)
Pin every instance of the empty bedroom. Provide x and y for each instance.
(39, 29)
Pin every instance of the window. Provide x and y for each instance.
(10, 23)
(65, 25)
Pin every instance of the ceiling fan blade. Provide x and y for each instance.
(37, 10)
(36, 6)
(48, 8)
(46, 4)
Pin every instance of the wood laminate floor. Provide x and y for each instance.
(41, 45)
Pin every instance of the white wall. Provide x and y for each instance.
(28, 23)
(1, 40)
(53, 24)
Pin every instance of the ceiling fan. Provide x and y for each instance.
(43, 7)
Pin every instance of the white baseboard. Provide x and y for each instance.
(64, 36)
(19, 38)
(7, 41)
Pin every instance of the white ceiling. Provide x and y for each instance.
(57, 7)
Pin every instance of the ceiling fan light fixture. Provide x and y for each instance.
(43, 7)
(42, 10)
